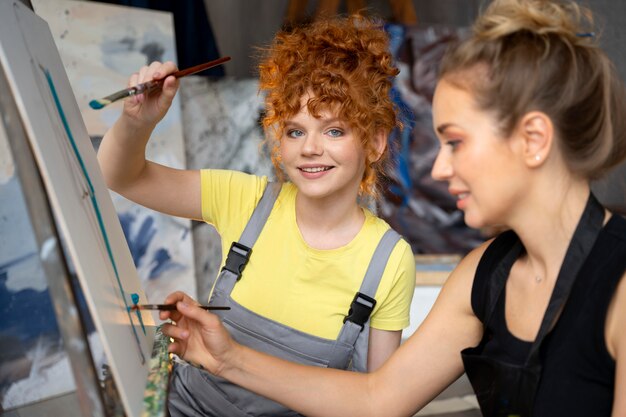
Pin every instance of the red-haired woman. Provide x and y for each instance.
(326, 282)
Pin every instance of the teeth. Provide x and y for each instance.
(462, 195)
(316, 169)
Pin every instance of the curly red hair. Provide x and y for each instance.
(346, 66)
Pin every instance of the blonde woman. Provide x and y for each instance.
(528, 110)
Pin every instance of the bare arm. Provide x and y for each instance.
(616, 343)
(420, 369)
(382, 344)
(122, 152)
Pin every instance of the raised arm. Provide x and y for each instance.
(420, 369)
(122, 152)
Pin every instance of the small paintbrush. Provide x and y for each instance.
(171, 307)
(153, 84)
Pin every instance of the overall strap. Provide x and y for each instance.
(364, 302)
(260, 214)
(378, 263)
(589, 226)
(240, 251)
(499, 277)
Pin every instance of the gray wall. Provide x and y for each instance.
(610, 15)
(240, 26)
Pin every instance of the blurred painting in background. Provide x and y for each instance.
(418, 207)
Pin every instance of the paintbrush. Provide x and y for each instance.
(153, 84)
(172, 307)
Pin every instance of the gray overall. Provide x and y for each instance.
(195, 392)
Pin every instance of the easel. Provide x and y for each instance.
(402, 10)
(74, 228)
(92, 399)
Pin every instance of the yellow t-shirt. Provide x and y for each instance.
(292, 283)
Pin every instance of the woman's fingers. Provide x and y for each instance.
(177, 296)
(143, 71)
(194, 312)
(133, 79)
(155, 71)
(175, 347)
(173, 315)
(174, 298)
(165, 69)
(174, 331)
(170, 86)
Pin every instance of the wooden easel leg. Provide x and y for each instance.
(403, 12)
(356, 6)
(326, 8)
(296, 13)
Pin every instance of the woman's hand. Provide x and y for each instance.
(149, 108)
(199, 336)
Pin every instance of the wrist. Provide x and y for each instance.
(134, 127)
(231, 361)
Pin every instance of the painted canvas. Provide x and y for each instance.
(31, 351)
(92, 235)
(100, 46)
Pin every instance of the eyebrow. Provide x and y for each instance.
(443, 127)
(333, 120)
(324, 122)
(291, 123)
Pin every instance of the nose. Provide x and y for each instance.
(313, 145)
(442, 168)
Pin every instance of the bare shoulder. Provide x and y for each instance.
(616, 322)
(462, 277)
(456, 295)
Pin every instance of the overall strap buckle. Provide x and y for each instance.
(237, 258)
(360, 309)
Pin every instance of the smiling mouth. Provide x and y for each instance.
(315, 169)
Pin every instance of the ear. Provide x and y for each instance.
(537, 134)
(379, 144)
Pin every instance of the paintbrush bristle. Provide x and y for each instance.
(98, 104)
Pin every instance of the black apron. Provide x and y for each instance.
(508, 390)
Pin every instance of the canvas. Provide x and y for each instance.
(31, 350)
(100, 46)
(86, 218)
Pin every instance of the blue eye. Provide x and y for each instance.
(295, 133)
(453, 144)
(335, 133)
